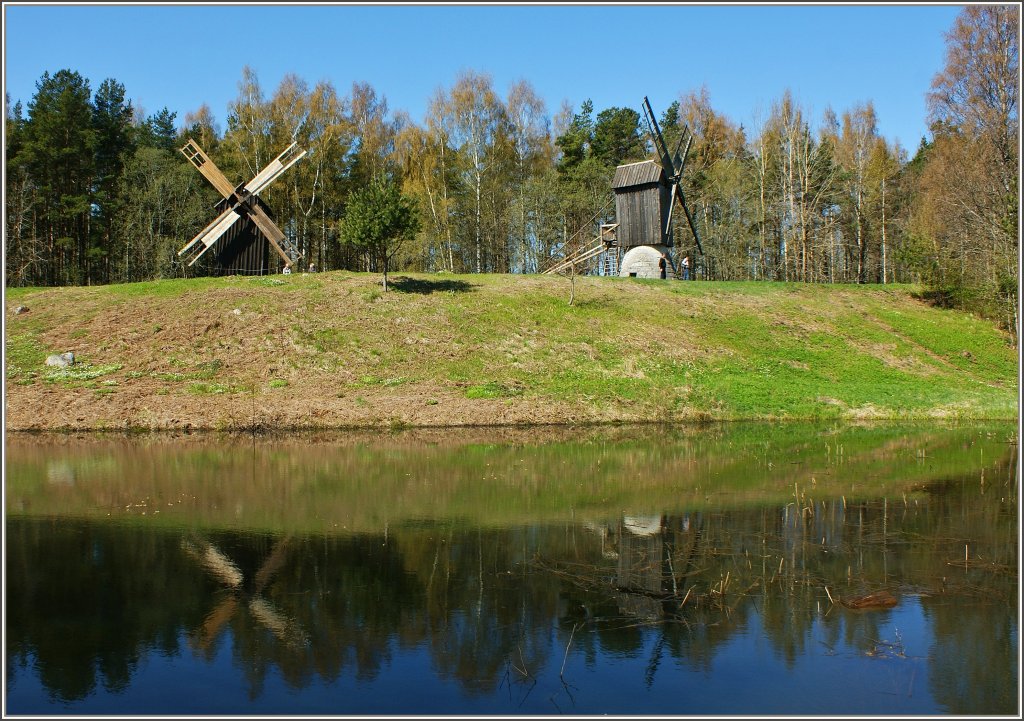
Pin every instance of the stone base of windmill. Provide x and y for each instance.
(642, 262)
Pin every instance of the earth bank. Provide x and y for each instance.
(331, 350)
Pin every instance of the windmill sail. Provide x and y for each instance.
(673, 166)
(211, 233)
(291, 155)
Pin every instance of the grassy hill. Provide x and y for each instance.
(332, 350)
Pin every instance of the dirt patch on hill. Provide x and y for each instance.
(334, 353)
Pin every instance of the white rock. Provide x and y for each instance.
(61, 360)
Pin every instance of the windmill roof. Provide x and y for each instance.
(642, 173)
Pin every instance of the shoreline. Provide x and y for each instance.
(261, 430)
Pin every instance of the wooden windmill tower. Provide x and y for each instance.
(244, 248)
(645, 193)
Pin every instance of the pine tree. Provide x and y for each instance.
(158, 131)
(379, 220)
(59, 151)
(112, 118)
(617, 137)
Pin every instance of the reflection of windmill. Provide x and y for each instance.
(227, 573)
(656, 563)
(645, 194)
(244, 251)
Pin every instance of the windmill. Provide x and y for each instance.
(241, 202)
(645, 195)
(673, 166)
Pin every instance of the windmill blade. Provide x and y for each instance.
(272, 565)
(679, 161)
(215, 621)
(689, 218)
(226, 220)
(201, 234)
(682, 136)
(206, 231)
(269, 229)
(212, 233)
(671, 203)
(210, 171)
(659, 141)
(289, 157)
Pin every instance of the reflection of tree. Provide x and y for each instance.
(84, 605)
(483, 611)
(700, 578)
(498, 605)
(963, 636)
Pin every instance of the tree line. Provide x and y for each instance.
(96, 191)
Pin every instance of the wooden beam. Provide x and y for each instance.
(210, 171)
(278, 165)
(270, 230)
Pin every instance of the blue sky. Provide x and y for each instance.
(746, 55)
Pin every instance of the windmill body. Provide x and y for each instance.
(643, 209)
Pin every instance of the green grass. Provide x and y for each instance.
(625, 350)
(24, 356)
(172, 288)
(205, 389)
(79, 372)
(493, 389)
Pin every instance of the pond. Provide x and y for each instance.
(713, 569)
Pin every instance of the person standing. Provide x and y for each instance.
(686, 267)
(662, 265)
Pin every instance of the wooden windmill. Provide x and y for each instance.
(242, 202)
(645, 195)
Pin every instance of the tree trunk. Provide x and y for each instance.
(861, 251)
(479, 264)
(883, 232)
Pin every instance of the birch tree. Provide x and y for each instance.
(23, 253)
(858, 137)
(327, 133)
(968, 197)
(247, 140)
(531, 142)
(474, 113)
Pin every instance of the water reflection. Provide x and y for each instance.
(605, 607)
